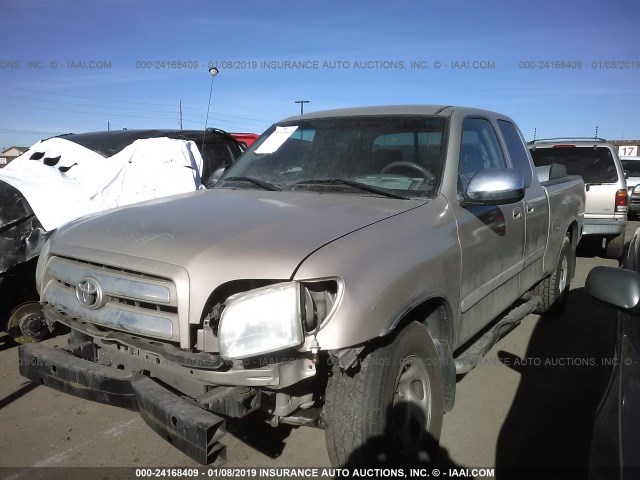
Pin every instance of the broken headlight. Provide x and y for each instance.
(261, 321)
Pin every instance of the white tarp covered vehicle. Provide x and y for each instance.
(63, 181)
(66, 177)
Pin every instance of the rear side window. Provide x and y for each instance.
(594, 165)
(517, 150)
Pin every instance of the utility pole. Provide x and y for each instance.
(108, 126)
(301, 102)
(180, 114)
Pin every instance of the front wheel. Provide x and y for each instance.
(390, 411)
(26, 324)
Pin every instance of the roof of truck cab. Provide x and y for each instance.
(391, 110)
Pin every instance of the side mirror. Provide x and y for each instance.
(618, 287)
(626, 174)
(495, 186)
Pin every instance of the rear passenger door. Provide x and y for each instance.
(491, 237)
(536, 207)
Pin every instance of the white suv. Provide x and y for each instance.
(607, 200)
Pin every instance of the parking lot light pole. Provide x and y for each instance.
(301, 102)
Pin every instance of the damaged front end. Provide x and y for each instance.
(22, 236)
(235, 367)
(189, 428)
(186, 397)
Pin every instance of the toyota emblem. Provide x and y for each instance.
(89, 293)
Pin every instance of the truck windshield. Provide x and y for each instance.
(593, 165)
(395, 156)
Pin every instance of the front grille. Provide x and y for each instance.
(127, 300)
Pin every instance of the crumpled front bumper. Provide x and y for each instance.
(191, 429)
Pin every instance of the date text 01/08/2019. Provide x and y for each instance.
(311, 472)
(579, 65)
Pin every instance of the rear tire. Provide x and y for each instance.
(389, 410)
(554, 290)
(615, 247)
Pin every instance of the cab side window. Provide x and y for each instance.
(479, 149)
(517, 150)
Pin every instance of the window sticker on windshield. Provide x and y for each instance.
(276, 139)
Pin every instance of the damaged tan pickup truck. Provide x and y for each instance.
(340, 275)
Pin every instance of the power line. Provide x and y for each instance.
(195, 118)
(197, 109)
(85, 97)
(27, 131)
(230, 122)
(88, 113)
(83, 104)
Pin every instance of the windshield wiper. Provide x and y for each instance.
(255, 181)
(351, 183)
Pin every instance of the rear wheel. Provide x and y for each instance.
(615, 247)
(554, 290)
(390, 409)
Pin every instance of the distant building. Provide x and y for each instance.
(10, 154)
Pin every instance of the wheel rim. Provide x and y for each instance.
(26, 323)
(564, 266)
(411, 414)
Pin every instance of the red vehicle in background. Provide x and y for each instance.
(245, 139)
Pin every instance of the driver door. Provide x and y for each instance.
(491, 237)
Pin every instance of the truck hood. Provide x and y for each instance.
(243, 232)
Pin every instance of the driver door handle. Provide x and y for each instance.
(517, 213)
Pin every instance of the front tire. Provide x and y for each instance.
(391, 408)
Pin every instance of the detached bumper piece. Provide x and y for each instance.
(192, 430)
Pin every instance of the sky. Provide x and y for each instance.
(558, 68)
